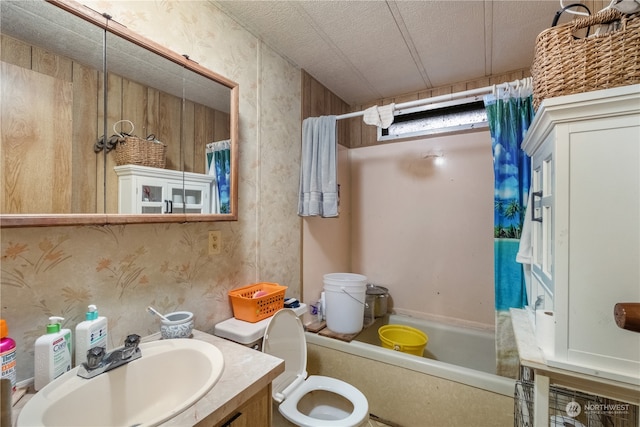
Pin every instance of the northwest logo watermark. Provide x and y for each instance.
(573, 408)
(607, 408)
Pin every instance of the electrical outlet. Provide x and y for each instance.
(215, 242)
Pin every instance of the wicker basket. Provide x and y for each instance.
(564, 65)
(250, 309)
(132, 150)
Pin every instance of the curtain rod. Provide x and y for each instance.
(448, 97)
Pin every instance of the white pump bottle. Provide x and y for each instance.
(90, 333)
(52, 353)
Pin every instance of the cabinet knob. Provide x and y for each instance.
(627, 315)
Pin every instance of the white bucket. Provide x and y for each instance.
(345, 295)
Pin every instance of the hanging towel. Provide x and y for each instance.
(525, 249)
(386, 115)
(318, 168)
(371, 116)
(379, 115)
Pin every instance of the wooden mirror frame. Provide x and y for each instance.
(46, 220)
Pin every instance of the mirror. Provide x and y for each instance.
(59, 169)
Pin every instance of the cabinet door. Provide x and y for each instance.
(140, 195)
(175, 196)
(543, 187)
(256, 412)
(193, 199)
(604, 242)
(151, 196)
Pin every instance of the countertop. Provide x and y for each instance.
(246, 371)
(532, 356)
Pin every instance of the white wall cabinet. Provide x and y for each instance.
(146, 190)
(585, 152)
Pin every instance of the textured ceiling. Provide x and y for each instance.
(366, 50)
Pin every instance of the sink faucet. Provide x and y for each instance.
(98, 361)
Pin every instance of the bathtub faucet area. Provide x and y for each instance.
(98, 361)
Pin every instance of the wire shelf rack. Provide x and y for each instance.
(571, 408)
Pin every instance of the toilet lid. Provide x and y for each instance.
(284, 339)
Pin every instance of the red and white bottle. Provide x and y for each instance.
(8, 354)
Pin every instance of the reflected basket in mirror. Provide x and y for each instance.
(132, 150)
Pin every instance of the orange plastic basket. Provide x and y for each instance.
(250, 309)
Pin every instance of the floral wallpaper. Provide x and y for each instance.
(58, 271)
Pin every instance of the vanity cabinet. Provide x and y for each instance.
(585, 152)
(146, 190)
(255, 412)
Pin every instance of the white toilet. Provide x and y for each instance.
(317, 401)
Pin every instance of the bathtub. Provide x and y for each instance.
(458, 361)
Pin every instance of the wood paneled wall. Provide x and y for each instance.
(40, 165)
(317, 100)
(35, 108)
(51, 119)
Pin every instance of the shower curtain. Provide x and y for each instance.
(219, 165)
(509, 113)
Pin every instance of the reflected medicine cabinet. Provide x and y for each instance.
(189, 103)
(145, 190)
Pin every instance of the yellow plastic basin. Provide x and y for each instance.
(403, 338)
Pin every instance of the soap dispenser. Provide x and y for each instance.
(52, 353)
(90, 333)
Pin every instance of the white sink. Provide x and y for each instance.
(170, 376)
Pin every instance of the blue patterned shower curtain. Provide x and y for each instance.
(509, 113)
(219, 165)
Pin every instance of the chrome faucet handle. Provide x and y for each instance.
(132, 340)
(130, 346)
(95, 356)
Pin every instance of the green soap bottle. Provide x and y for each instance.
(52, 353)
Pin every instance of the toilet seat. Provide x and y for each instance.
(284, 338)
(289, 408)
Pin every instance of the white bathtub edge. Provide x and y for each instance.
(493, 383)
(466, 324)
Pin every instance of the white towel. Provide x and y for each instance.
(371, 116)
(386, 115)
(318, 168)
(525, 249)
(379, 115)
